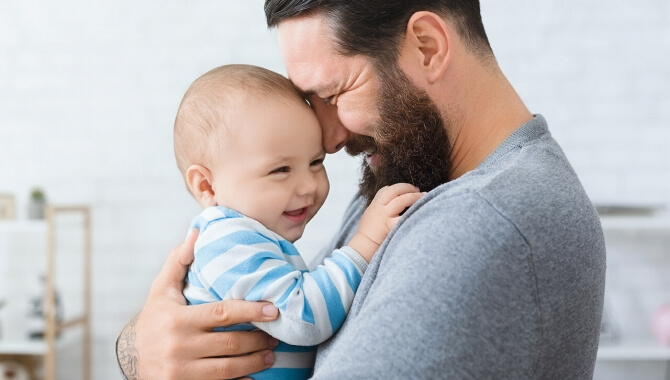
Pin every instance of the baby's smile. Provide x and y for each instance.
(297, 216)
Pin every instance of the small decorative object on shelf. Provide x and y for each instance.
(10, 370)
(661, 325)
(37, 323)
(609, 332)
(36, 204)
(6, 206)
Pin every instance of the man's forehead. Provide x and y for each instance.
(310, 79)
(310, 61)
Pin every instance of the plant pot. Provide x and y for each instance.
(36, 209)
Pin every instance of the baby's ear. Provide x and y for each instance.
(199, 180)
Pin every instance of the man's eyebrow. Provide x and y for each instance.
(315, 91)
(307, 93)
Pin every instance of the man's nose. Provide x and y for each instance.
(334, 134)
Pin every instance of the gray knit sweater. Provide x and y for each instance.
(498, 274)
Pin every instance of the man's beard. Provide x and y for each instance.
(410, 140)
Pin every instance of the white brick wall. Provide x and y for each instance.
(88, 93)
(599, 71)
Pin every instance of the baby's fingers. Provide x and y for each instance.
(392, 222)
(387, 193)
(401, 202)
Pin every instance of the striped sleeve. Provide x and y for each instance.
(238, 258)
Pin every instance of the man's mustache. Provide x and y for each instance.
(360, 144)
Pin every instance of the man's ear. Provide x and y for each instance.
(199, 181)
(427, 47)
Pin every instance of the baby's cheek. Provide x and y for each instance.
(324, 189)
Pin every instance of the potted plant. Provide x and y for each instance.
(36, 204)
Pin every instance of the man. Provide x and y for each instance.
(497, 273)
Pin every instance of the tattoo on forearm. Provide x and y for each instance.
(126, 352)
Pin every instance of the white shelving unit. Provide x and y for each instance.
(58, 335)
(652, 222)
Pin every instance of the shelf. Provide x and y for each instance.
(57, 335)
(659, 222)
(37, 347)
(13, 226)
(634, 351)
(27, 347)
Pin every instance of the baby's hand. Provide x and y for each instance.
(382, 214)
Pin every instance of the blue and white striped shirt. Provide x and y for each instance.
(236, 257)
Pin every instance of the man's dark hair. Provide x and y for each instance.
(374, 27)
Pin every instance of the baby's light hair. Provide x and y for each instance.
(205, 113)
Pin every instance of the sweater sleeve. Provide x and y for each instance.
(240, 259)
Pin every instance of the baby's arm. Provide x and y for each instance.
(381, 215)
(342, 271)
(242, 262)
(237, 258)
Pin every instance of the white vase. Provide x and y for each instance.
(36, 209)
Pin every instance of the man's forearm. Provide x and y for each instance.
(126, 354)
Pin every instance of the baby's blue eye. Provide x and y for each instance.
(316, 162)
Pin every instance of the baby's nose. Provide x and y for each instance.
(307, 185)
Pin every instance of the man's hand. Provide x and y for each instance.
(169, 340)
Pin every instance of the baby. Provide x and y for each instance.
(249, 148)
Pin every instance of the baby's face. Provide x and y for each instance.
(272, 168)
